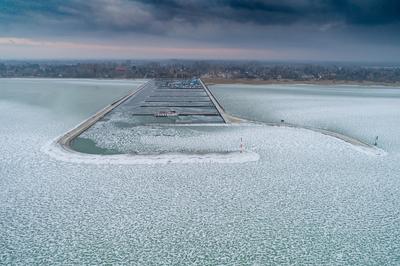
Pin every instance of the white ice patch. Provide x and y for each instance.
(369, 151)
(57, 152)
(258, 138)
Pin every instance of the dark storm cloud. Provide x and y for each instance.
(264, 12)
(151, 15)
(329, 29)
(367, 12)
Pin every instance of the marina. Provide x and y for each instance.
(181, 101)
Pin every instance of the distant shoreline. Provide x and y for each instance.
(220, 81)
(216, 81)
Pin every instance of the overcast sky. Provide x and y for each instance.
(326, 30)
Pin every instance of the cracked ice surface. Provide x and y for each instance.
(310, 199)
(363, 112)
(161, 139)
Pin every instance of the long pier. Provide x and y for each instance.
(68, 137)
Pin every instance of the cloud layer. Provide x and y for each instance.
(135, 14)
(268, 24)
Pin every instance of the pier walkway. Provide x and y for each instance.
(174, 101)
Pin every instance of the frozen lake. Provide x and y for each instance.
(310, 199)
(362, 112)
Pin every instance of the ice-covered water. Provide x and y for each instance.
(362, 112)
(310, 199)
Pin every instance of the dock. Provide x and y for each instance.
(175, 101)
